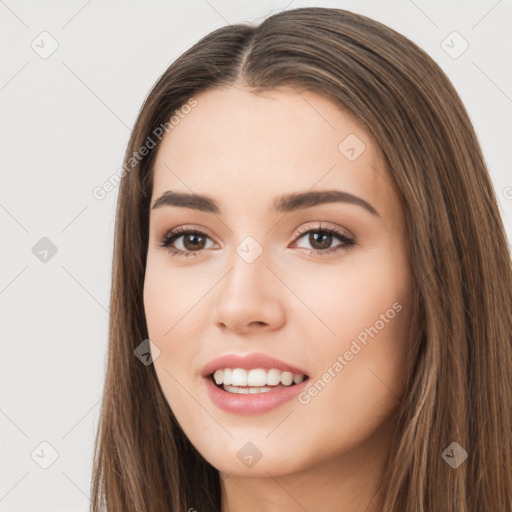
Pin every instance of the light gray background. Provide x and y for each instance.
(65, 122)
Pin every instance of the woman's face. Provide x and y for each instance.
(256, 275)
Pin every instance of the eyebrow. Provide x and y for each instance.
(283, 204)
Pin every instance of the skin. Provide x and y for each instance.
(243, 150)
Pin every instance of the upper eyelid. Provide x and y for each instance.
(324, 226)
(309, 225)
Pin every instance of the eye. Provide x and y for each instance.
(321, 239)
(194, 241)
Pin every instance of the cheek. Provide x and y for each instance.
(163, 311)
(174, 318)
(372, 381)
(155, 286)
(170, 296)
(359, 385)
(350, 296)
(377, 318)
(362, 363)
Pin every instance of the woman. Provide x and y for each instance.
(311, 297)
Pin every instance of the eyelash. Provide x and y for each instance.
(174, 234)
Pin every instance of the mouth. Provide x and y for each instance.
(254, 381)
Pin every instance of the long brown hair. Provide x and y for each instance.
(460, 382)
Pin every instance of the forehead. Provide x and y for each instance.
(264, 145)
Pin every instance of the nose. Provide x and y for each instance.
(250, 298)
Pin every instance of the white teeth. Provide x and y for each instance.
(287, 378)
(239, 377)
(256, 378)
(228, 374)
(297, 378)
(218, 376)
(245, 391)
(273, 377)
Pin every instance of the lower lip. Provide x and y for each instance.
(251, 404)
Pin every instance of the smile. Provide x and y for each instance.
(259, 380)
(251, 384)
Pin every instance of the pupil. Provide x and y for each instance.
(325, 240)
(193, 240)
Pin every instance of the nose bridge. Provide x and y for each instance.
(249, 272)
(248, 294)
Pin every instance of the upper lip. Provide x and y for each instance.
(249, 362)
